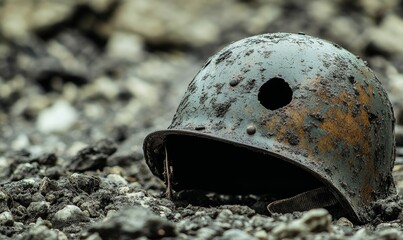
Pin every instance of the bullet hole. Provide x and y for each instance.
(275, 94)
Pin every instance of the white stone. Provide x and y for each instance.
(117, 179)
(389, 34)
(6, 217)
(69, 213)
(126, 46)
(21, 142)
(60, 117)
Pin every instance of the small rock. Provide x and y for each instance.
(206, 233)
(60, 117)
(224, 215)
(91, 208)
(93, 157)
(387, 209)
(54, 172)
(377, 8)
(94, 236)
(84, 182)
(25, 170)
(75, 148)
(160, 26)
(6, 219)
(3, 201)
(101, 88)
(47, 159)
(21, 142)
(239, 209)
(38, 209)
(395, 91)
(125, 46)
(361, 234)
(322, 11)
(236, 234)
(387, 225)
(261, 234)
(4, 167)
(131, 223)
(116, 180)
(344, 222)
(46, 185)
(391, 233)
(40, 232)
(386, 37)
(315, 220)
(68, 215)
(258, 221)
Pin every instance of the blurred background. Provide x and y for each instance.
(73, 72)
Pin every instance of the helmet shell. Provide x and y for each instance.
(327, 113)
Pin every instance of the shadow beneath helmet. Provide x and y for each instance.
(209, 172)
(211, 165)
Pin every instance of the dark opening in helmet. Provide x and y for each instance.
(206, 164)
(275, 94)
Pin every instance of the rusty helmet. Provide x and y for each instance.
(284, 114)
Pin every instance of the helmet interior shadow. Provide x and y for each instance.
(205, 164)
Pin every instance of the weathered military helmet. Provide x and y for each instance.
(285, 114)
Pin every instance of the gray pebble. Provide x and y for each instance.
(224, 214)
(344, 222)
(38, 209)
(315, 220)
(91, 208)
(261, 234)
(131, 223)
(68, 215)
(361, 234)
(236, 234)
(25, 170)
(49, 119)
(386, 225)
(6, 219)
(206, 233)
(3, 201)
(93, 157)
(115, 180)
(391, 233)
(84, 182)
(94, 236)
(42, 232)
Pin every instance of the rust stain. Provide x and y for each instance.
(292, 121)
(364, 97)
(296, 122)
(342, 125)
(367, 188)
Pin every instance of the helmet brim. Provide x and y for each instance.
(154, 149)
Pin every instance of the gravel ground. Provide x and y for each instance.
(116, 71)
